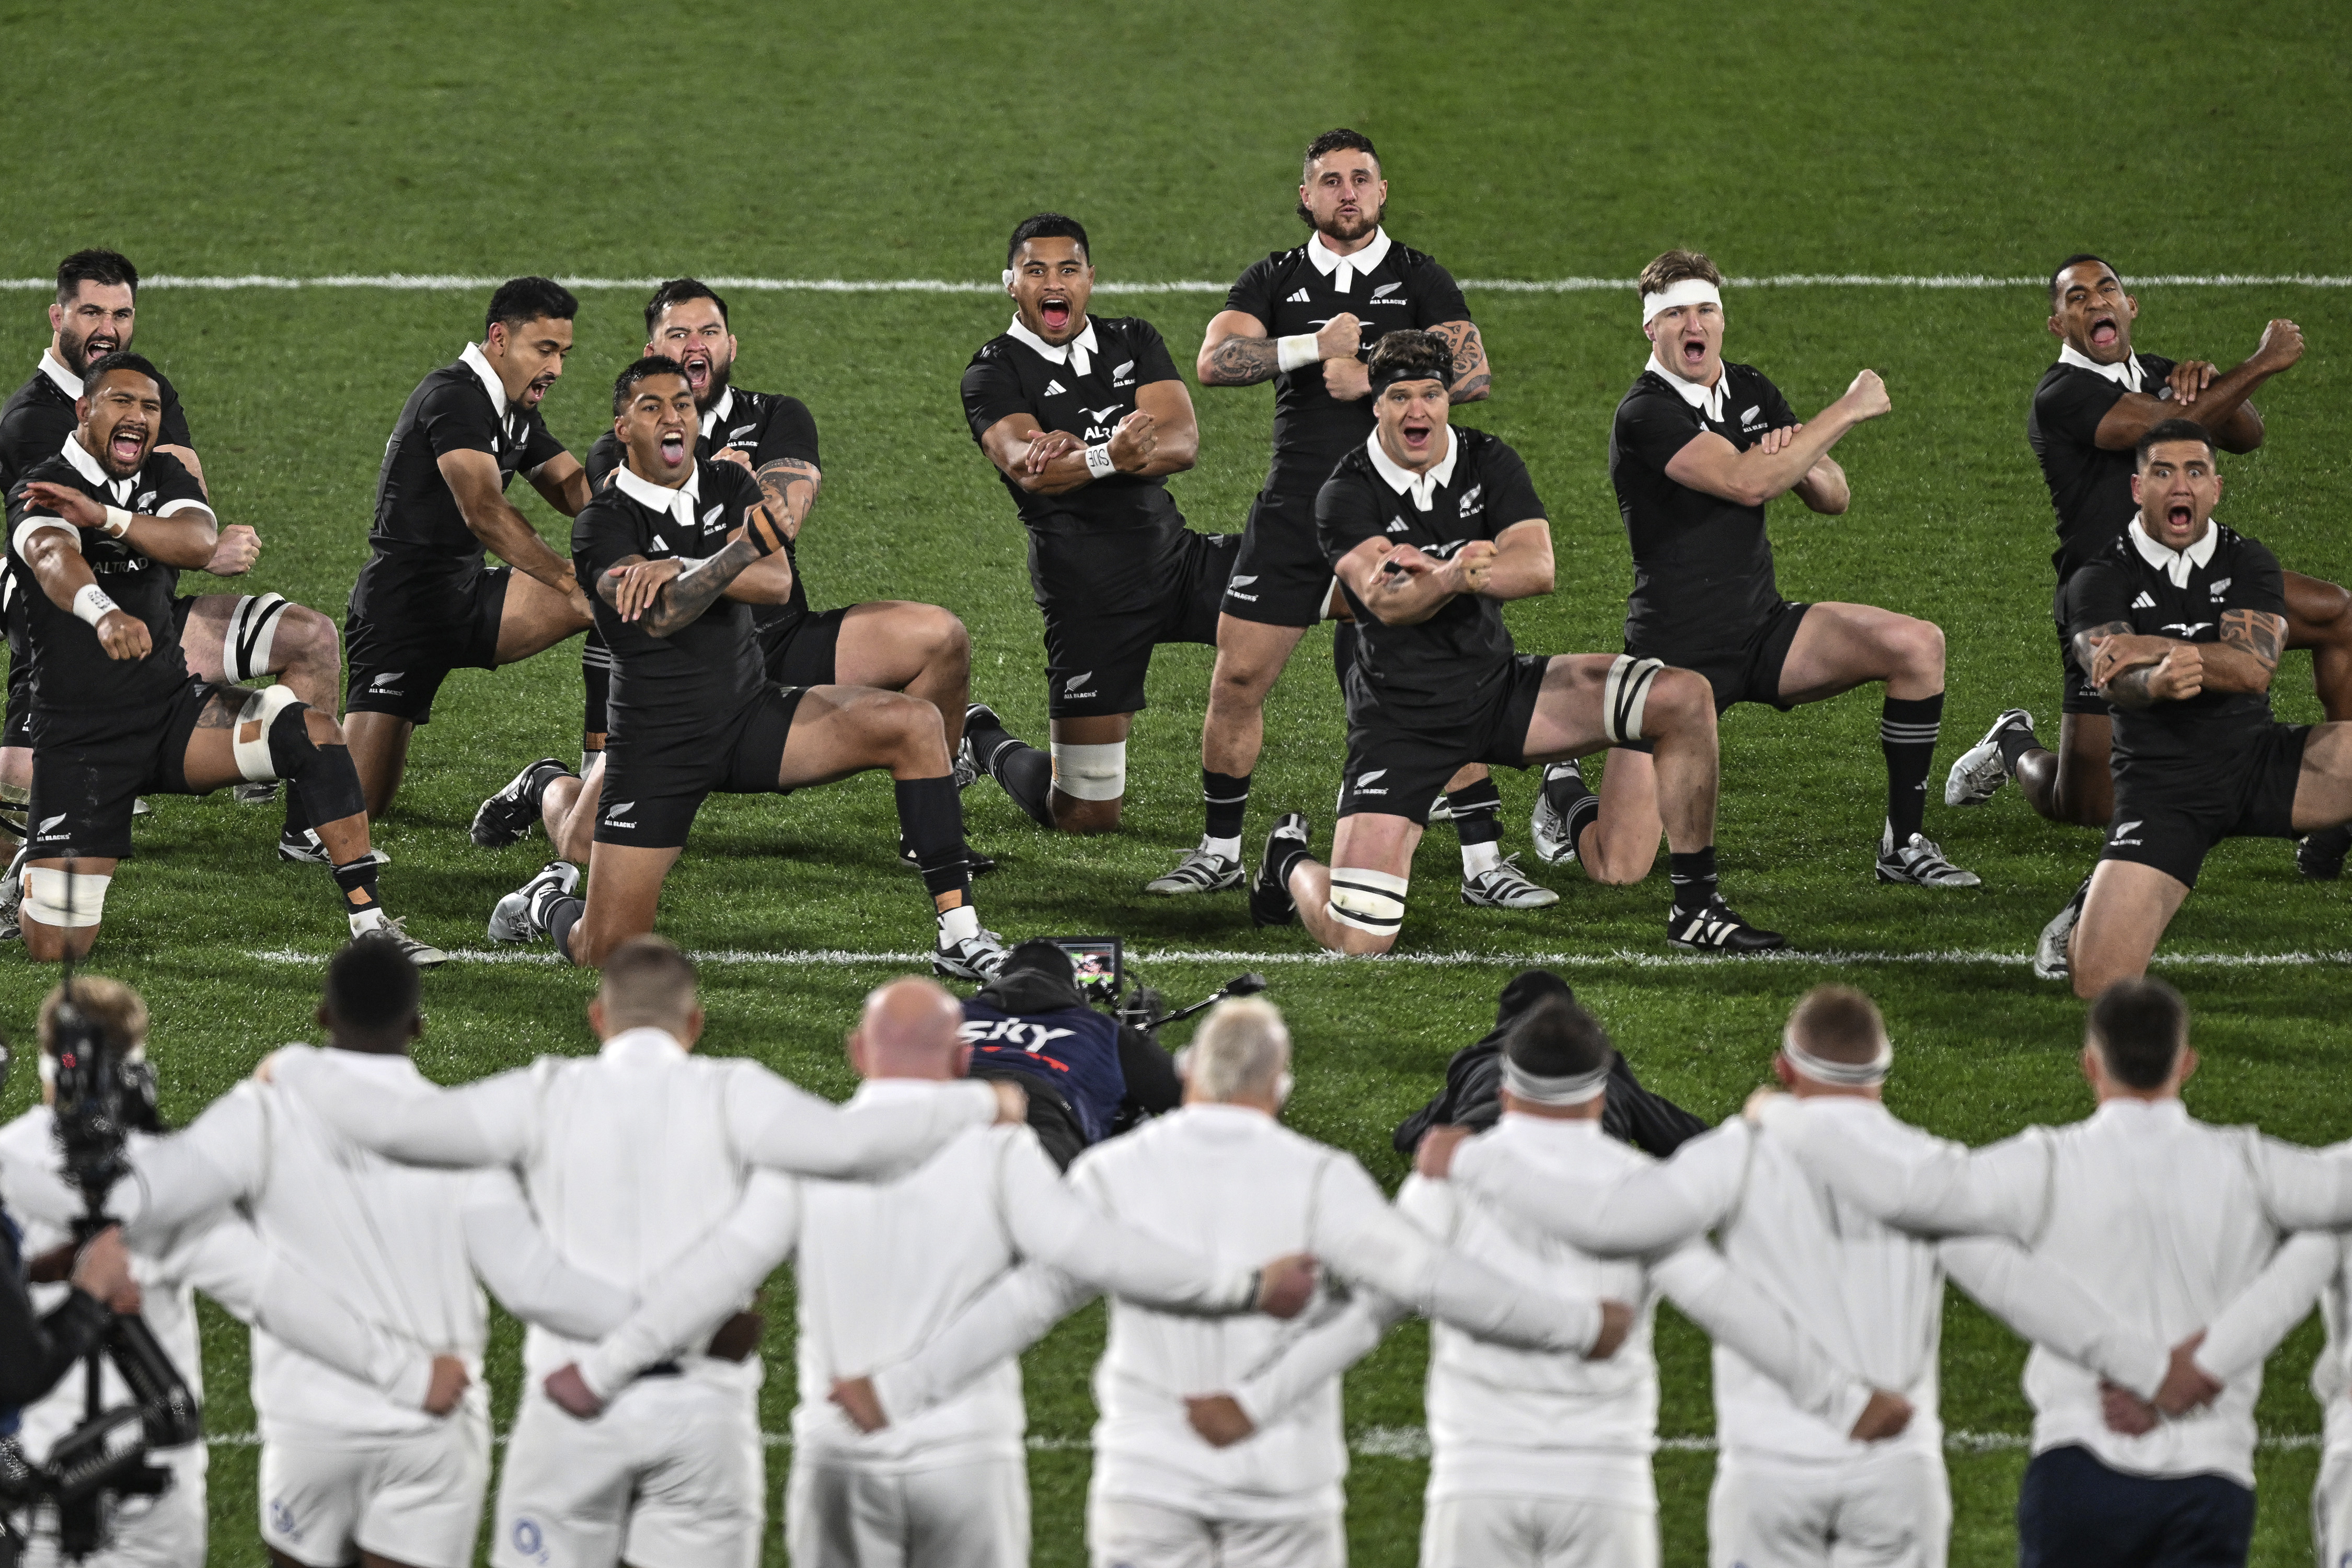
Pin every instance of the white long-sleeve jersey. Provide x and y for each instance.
(632, 1156)
(883, 1267)
(1236, 1186)
(1870, 1294)
(2160, 1219)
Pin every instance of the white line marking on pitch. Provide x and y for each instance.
(450, 282)
(1944, 958)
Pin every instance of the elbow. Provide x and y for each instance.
(1205, 370)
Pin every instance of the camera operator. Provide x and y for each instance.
(37, 1348)
(1089, 1074)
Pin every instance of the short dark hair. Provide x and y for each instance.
(372, 988)
(1341, 140)
(109, 268)
(678, 291)
(1838, 1024)
(2076, 259)
(520, 300)
(120, 359)
(647, 981)
(1674, 267)
(1411, 354)
(2139, 1027)
(1557, 1038)
(2164, 430)
(624, 386)
(1048, 225)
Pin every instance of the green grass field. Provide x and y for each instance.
(1525, 143)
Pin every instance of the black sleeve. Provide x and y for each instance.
(174, 432)
(1653, 426)
(1347, 512)
(1152, 1086)
(173, 483)
(603, 534)
(603, 459)
(2072, 404)
(35, 1353)
(1151, 361)
(1436, 298)
(539, 444)
(2259, 584)
(1253, 293)
(1778, 414)
(1510, 493)
(790, 436)
(2099, 594)
(456, 418)
(992, 391)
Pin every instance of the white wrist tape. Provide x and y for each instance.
(1689, 291)
(118, 522)
(1298, 350)
(91, 604)
(1090, 773)
(1098, 461)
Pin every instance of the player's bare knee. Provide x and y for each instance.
(1074, 815)
(1680, 702)
(321, 728)
(1919, 650)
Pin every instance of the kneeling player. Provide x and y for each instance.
(1429, 530)
(114, 711)
(2180, 622)
(674, 553)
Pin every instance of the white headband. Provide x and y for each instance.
(1689, 291)
(1845, 1075)
(1571, 1088)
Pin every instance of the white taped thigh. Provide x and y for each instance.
(66, 900)
(1368, 900)
(251, 634)
(1090, 773)
(249, 741)
(1626, 694)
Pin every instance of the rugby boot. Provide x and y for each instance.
(1502, 887)
(1548, 825)
(1716, 927)
(2050, 960)
(506, 816)
(1979, 772)
(976, 957)
(1270, 903)
(2320, 855)
(1919, 864)
(516, 918)
(1199, 871)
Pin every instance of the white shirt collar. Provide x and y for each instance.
(87, 466)
(1707, 400)
(644, 1044)
(2175, 564)
(1078, 353)
(1421, 487)
(1343, 270)
(2126, 374)
(680, 503)
(480, 362)
(54, 368)
(718, 410)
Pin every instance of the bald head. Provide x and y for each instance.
(908, 1030)
(1240, 1055)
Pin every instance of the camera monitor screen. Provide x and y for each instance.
(1098, 960)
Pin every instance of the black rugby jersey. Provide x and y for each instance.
(1107, 547)
(2090, 488)
(682, 689)
(1444, 667)
(765, 427)
(452, 410)
(39, 416)
(1702, 565)
(2120, 583)
(1288, 294)
(71, 672)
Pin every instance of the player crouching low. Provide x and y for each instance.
(1429, 530)
(114, 710)
(674, 554)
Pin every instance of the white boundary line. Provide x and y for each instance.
(1621, 959)
(449, 281)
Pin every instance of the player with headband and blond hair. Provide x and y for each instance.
(1700, 446)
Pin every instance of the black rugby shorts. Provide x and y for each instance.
(398, 662)
(651, 794)
(1280, 578)
(802, 653)
(1097, 664)
(89, 767)
(2170, 816)
(1400, 769)
(1748, 672)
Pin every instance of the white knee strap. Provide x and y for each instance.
(252, 632)
(250, 739)
(71, 900)
(1090, 773)
(1368, 900)
(1625, 694)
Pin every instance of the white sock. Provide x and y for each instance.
(366, 920)
(1222, 848)
(959, 925)
(1478, 858)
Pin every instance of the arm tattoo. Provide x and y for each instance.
(1242, 361)
(790, 488)
(2084, 655)
(2257, 632)
(682, 600)
(1469, 352)
(2130, 690)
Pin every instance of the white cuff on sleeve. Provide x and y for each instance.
(34, 524)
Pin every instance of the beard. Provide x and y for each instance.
(1307, 216)
(74, 350)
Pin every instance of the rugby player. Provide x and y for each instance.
(227, 637)
(894, 644)
(2088, 415)
(1431, 530)
(677, 550)
(1699, 446)
(1303, 318)
(2178, 622)
(1084, 417)
(115, 710)
(426, 603)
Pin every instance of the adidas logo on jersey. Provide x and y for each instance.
(1070, 687)
(1298, 299)
(1052, 387)
(1396, 525)
(2145, 602)
(660, 546)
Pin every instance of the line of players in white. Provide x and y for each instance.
(628, 1204)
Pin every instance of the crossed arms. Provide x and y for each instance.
(2137, 672)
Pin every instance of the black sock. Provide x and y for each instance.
(1287, 860)
(1694, 878)
(558, 915)
(1025, 773)
(1226, 798)
(1906, 734)
(298, 813)
(930, 819)
(2015, 741)
(357, 881)
(1477, 811)
(1565, 788)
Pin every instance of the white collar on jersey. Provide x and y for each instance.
(87, 466)
(2125, 375)
(718, 410)
(659, 1044)
(1421, 487)
(679, 503)
(1078, 353)
(54, 368)
(479, 363)
(1707, 400)
(1343, 270)
(2175, 564)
